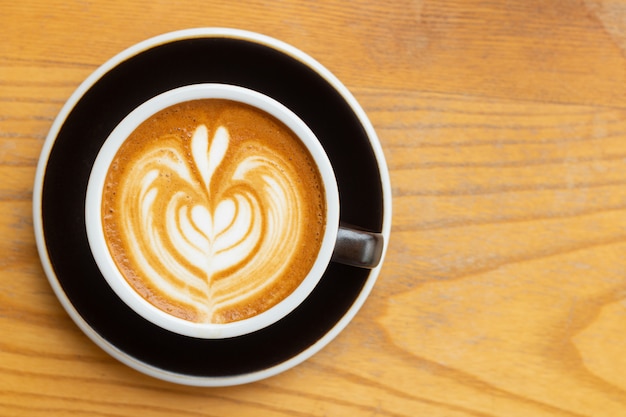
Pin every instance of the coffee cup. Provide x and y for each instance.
(212, 211)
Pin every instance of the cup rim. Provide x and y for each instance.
(109, 269)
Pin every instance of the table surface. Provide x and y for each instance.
(503, 290)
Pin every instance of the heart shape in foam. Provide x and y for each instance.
(220, 239)
(230, 228)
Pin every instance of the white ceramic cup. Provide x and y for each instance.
(349, 246)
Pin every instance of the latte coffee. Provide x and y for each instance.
(213, 210)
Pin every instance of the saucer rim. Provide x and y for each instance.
(91, 332)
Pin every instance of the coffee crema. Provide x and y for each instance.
(213, 210)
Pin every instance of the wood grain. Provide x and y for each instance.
(504, 288)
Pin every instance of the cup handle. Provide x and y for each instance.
(358, 247)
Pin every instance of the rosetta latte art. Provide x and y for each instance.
(209, 232)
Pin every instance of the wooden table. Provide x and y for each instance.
(504, 288)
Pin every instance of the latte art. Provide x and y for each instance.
(213, 211)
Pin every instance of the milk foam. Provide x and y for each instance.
(210, 241)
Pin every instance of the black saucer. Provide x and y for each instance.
(72, 151)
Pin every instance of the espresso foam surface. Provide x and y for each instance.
(213, 211)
